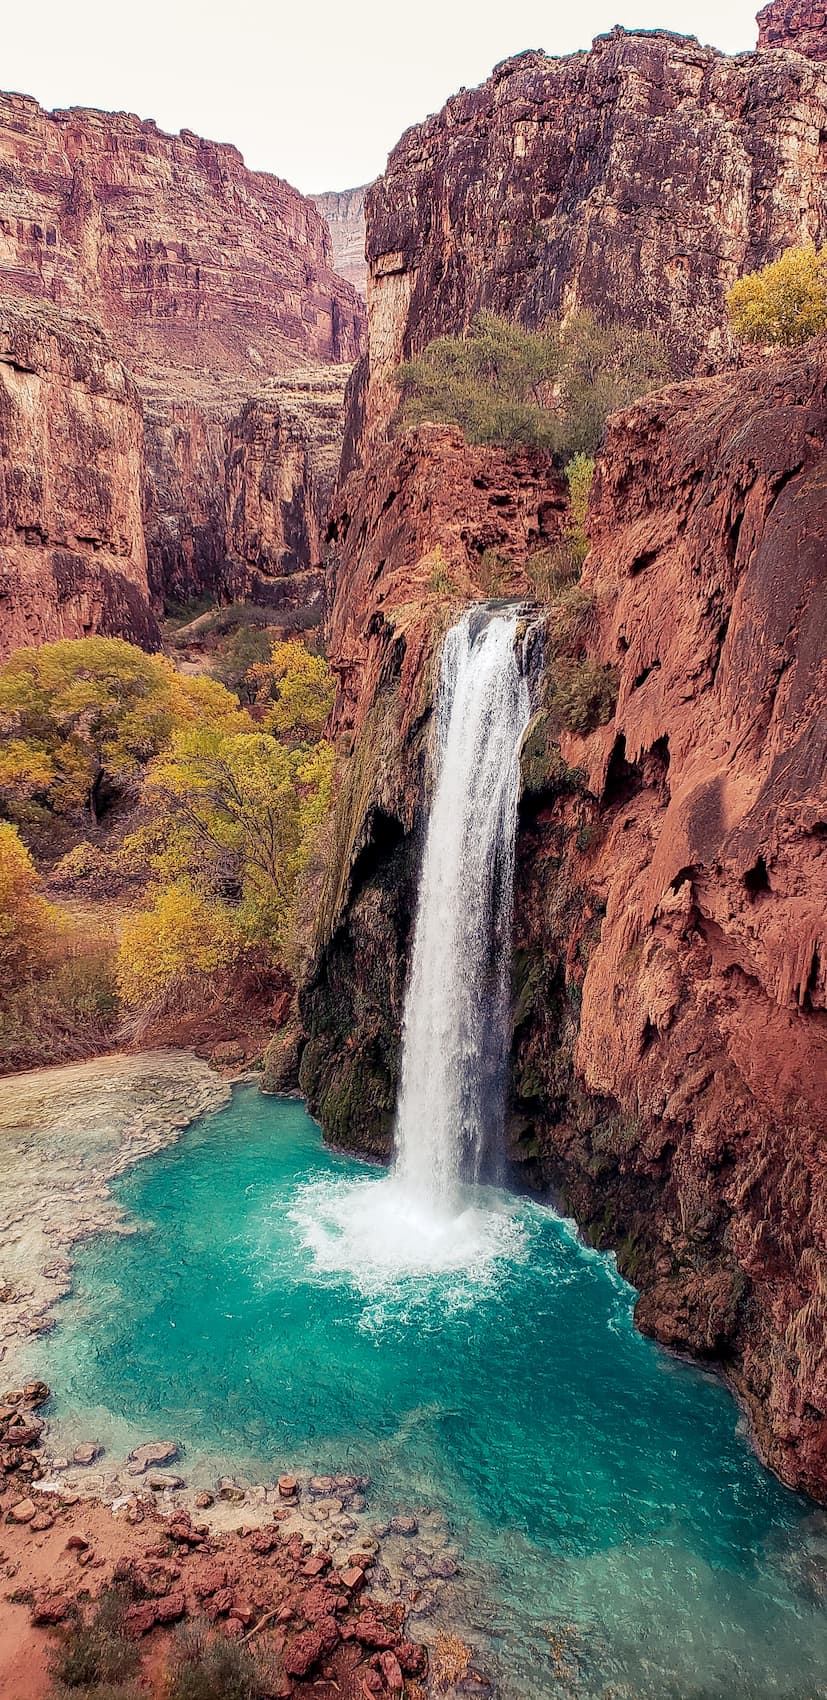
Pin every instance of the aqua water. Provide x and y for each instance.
(618, 1534)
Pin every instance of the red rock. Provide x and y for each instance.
(42, 1522)
(535, 167)
(692, 849)
(210, 1579)
(800, 25)
(412, 1658)
(51, 1608)
(220, 1604)
(141, 1618)
(171, 1608)
(303, 1651)
(318, 1565)
(23, 1511)
(345, 214)
(76, 1542)
(391, 1671)
(264, 1542)
(372, 1632)
(353, 1579)
(288, 1486)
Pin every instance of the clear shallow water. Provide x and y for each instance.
(622, 1539)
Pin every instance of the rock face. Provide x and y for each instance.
(185, 256)
(234, 504)
(216, 287)
(638, 179)
(72, 552)
(429, 525)
(670, 1046)
(345, 214)
(797, 24)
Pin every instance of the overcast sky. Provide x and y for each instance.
(316, 91)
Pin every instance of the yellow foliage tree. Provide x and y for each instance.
(784, 303)
(84, 714)
(28, 924)
(181, 938)
(300, 687)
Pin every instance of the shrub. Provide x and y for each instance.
(491, 382)
(553, 569)
(28, 924)
(441, 580)
(784, 303)
(582, 695)
(551, 389)
(174, 946)
(95, 1650)
(206, 1665)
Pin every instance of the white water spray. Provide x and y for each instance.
(423, 1218)
(456, 1011)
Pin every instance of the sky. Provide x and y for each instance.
(316, 91)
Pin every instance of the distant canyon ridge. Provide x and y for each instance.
(176, 330)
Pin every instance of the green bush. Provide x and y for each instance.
(551, 389)
(582, 694)
(206, 1665)
(95, 1652)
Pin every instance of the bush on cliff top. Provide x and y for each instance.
(551, 389)
(785, 303)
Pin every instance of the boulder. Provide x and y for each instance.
(152, 1453)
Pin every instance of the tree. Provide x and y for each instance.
(182, 938)
(784, 303)
(28, 924)
(81, 717)
(552, 388)
(236, 816)
(301, 689)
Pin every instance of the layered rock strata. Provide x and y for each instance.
(187, 258)
(344, 211)
(797, 24)
(670, 1020)
(72, 550)
(216, 287)
(638, 179)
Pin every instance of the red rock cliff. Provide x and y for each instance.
(638, 179)
(216, 286)
(670, 1045)
(72, 552)
(184, 255)
(797, 24)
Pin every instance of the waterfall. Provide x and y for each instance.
(423, 1219)
(455, 1034)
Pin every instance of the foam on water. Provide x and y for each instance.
(383, 1237)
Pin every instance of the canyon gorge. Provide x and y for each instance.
(200, 403)
(670, 1049)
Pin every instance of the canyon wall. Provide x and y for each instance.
(638, 179)
(72, 552)
(216, 288)
(670, 998)
(344, 211)
(187, 258)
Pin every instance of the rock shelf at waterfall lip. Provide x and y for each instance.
(67, 1132)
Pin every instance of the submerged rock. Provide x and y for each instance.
(152, 1452)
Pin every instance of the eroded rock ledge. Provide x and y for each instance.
(670, 1048)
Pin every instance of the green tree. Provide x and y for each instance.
(784, 303)
(553, 388)
(82, 717)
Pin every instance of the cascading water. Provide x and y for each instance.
(427, 1215)
(455, 1030)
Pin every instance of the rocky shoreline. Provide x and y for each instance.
(302, 1557)
(66, 1133)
